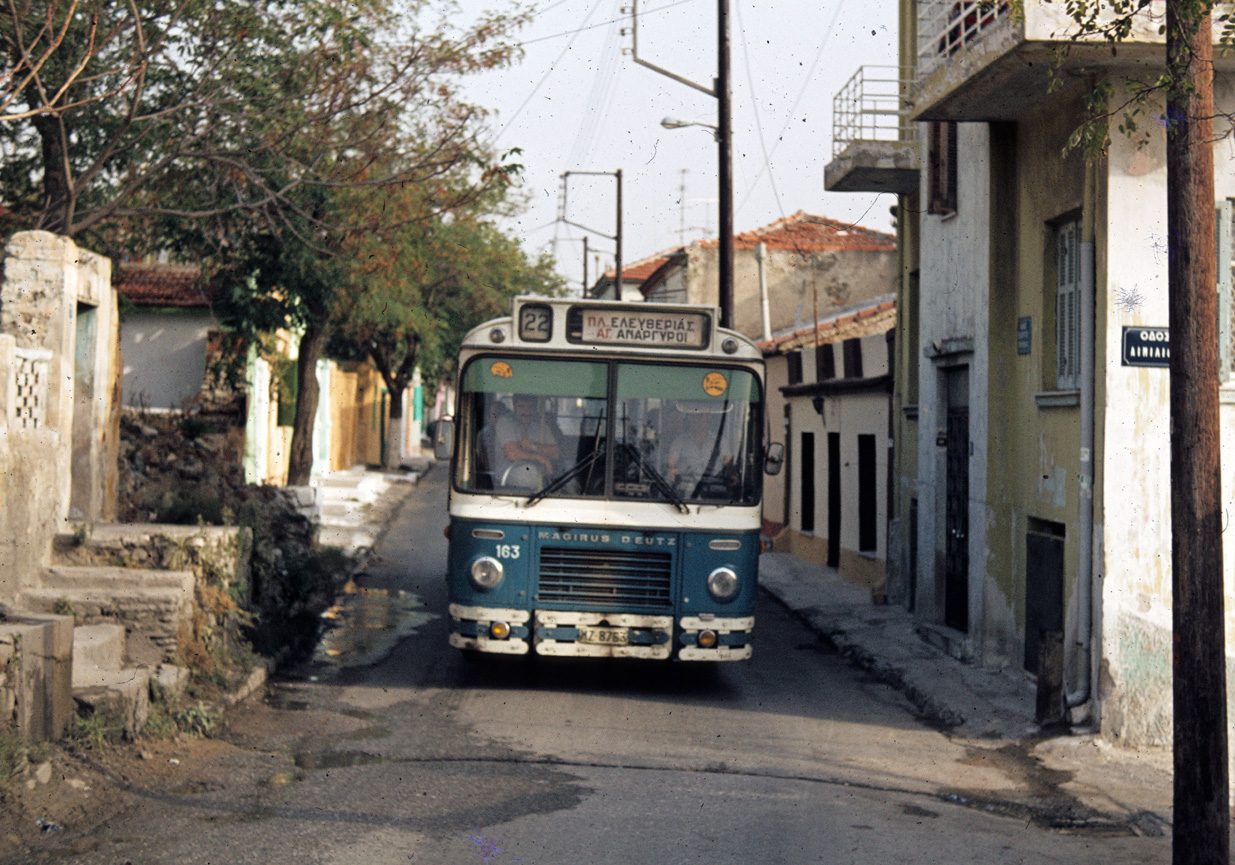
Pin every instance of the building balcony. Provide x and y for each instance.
(874, 146)
(978, 60)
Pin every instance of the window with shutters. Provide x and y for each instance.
(941, 168)
(1226, 288)
(825, 362)
(794, 360)
(1068, 305)
(852, 351)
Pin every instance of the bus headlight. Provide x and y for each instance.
(723, 584)
(486, 572)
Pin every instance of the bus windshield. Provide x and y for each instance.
(679, 433)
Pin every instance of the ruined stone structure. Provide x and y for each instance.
(59, 406)
(59, 433)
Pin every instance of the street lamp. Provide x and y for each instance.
(676, 123)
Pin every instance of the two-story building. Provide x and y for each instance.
(1031, 412)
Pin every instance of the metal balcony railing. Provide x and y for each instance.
(872, 106)
(945, 27)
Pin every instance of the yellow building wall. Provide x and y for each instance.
(1033, 450)
(359, 412)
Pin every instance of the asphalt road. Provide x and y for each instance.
(391, 749)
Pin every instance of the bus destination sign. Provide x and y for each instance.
(651, 329)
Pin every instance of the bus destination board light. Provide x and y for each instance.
(652, 328)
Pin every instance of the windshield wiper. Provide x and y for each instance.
(565, 477)
(657, 480)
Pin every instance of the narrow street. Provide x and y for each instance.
(389, 748)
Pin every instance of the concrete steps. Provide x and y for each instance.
(144, 545)
(103, 683)
(345, 502)
(151, 604)
(98, 650)
(356, 484)
(104, 679)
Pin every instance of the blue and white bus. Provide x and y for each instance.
(607, 466)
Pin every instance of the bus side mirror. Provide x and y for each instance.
(444, 439)
(774, 459)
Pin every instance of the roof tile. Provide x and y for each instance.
(162, 285)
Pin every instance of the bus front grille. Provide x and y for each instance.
(605, 577)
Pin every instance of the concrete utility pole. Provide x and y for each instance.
(1201, 816)
(616, 237)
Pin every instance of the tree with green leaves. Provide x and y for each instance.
(213, 112)
(413, 292)
(247, 133)
(44, 51)
(1185, 85)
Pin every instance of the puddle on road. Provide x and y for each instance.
(367, 624)
(312, 760)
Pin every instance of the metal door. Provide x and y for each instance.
(956, 541)
(1044, 549)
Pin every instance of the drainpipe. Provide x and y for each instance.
(760, 252)
(1078, 701)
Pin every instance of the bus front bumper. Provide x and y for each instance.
(603, 635)
(474, 628)
(558, 633)
(729, 638)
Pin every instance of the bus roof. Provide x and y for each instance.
(566, 324)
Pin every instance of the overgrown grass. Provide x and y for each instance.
(169, 719)
(16, 753)
(96, 730)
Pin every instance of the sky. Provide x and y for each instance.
(577, 102)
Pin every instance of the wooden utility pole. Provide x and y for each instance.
(1201, 816)
(724, 140)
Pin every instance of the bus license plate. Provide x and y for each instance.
(605, 636)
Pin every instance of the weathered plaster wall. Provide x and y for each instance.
(1136, 595)
(96, 390)
(1136, 534)
(954, 272)
(1046, 21)
(837, 277)
(64, 464)
(33, 495)
(1034, 448)
(902, 540)
(774, 486)
(164, 356)
(849, 415)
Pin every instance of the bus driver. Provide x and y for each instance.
(696, 454)
(527, 435)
